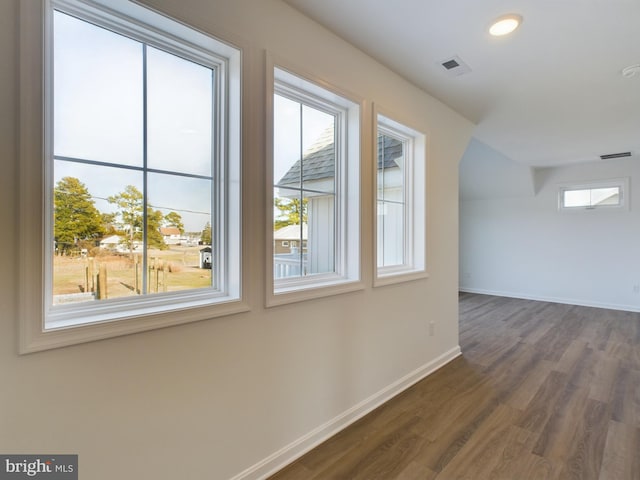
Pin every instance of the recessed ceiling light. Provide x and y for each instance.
(505, 25)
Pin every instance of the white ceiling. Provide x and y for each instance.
(551, 93)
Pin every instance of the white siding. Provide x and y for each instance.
(321, 243)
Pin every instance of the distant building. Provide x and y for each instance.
(110, 243)
(206, 258)
(117, 243)
(171, 235)
(288, 239)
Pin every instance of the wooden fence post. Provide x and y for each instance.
(137, 267)
(156, 263)
(102, 281)
(92, 272)
(165, 267)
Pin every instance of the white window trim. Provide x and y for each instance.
(348, 254)
(115, 318)
(622, 183)
(414, 266)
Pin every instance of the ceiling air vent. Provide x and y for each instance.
(454, 66)
(609, 156)
(449, 64)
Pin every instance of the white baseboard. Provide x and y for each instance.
(299, 447)
(567, 301)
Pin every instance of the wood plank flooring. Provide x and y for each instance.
(542, 391)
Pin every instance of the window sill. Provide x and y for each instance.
(33, 338)
(401, 276)
(283, 296)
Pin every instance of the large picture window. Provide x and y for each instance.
(141, 171)
(133, 157)
(315, 173)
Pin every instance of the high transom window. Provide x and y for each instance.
(598, 195)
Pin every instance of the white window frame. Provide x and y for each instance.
(309, 89)
(621, 183)
(415, 186)
(41, 325)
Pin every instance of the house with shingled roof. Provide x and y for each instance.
(171, 235)
(314, 177)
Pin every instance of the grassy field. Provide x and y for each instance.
(169, 270)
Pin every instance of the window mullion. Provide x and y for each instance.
(381, 190)
(339, 201)
(145, 260)
(216, 216)
(301, 198)
(408, 204)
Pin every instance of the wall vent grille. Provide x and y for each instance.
(609, 156)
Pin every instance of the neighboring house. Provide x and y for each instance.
(317, 171)
(191, 240)
(171, 235)
(116, 243)
(110, 243)
(287, 239)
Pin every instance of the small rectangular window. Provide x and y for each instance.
(592, 197)
(598, 195)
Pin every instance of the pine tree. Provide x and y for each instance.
(205, 237)
(154, 222)
(291, 212)
(76, 217)
(173, 219)
(130, 207)
(129, 203)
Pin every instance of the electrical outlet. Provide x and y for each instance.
(432, 328)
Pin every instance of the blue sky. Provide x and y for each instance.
(98, 116)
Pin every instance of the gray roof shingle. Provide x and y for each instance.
(318, 161)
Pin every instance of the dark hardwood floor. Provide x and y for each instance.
(542, 391)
